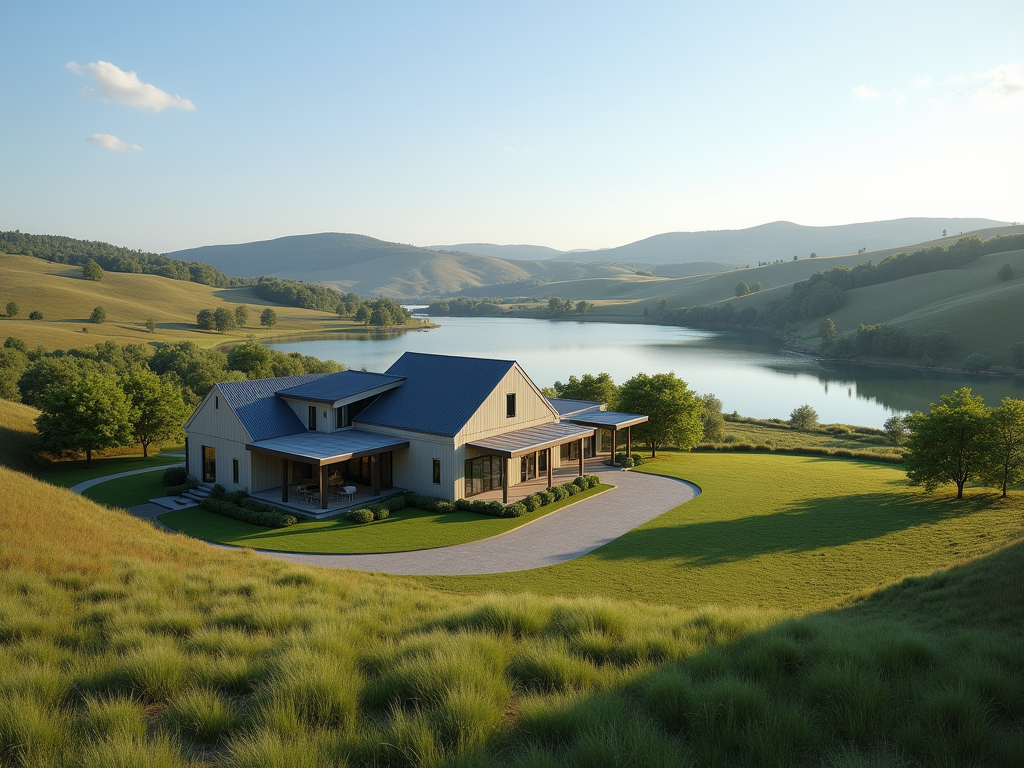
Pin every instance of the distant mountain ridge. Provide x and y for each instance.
(516, 252)
(780, 240)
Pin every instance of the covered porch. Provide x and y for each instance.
(346, 468)
(613, 422)
(537, 443)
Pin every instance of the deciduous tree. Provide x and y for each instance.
(803, 418)
(1005, 464)
(12, 309)
(92, 271)
(672, 407)
(268, 317)
(151, 324)
(895, 428)
(742, 289)
(241, 315)
(600, 388)
(223, 319)
(205, 320)
(99, 315)
(86, 415)
(711, 419)
(252, 359)
(158, 410)
(949, 444)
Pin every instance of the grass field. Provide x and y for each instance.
(125, 646)
(68, 473)
(402, 531)
(66, 301)
(128, 491)
(17, 435)
(775, 532)
(782, 436)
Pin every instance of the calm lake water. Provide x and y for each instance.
(748, 372)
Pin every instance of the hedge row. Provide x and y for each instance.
(840, 453)
(249, 511)
(177, 490)
(633, 460)
(382, 509)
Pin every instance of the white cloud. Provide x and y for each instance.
(114, 84)
(921, 82)
(1005, 82)
(864, 92)
(896, 97)
(108, 141)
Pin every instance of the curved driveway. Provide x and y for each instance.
(563, 535)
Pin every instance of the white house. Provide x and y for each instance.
(440, 425)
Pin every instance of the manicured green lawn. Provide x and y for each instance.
(777, 532)
(405, 530)
(128, 491)
(68, 473)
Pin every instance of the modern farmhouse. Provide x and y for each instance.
(439, 425)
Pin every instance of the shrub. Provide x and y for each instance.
(531, 502)
(464, 505)
(559, 493)
(977, 362)
(177, 490)
(582, 483)
(218, 491)
(803, 418)
(494, 509)
(622, 460)
(1005, 272)
(252, 512)
(175, 476)
(443, 506)
(637, 459)
(571, 488)
(361, 516)
(546, 497)
(1017, 353)
(381, 514)
(593, 481)
(235, 497)
(517, 509)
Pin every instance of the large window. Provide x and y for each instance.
(209, 464)
(312, 418)
(510, 405)
(483, 474)
(527, 467)
(344, 415)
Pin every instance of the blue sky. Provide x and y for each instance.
(574, 125)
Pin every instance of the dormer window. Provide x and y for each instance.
(510, 405)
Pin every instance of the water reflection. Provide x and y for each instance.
(749, 372)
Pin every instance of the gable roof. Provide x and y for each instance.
(261, 411)
(338, 386)
(441, 392)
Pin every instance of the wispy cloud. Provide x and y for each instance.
(921, 82)
(108, 141)
(114, 84)
(1003, 83)
(865, 92)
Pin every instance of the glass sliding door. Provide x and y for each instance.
(482, 474)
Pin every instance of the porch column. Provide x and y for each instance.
(611, 451)
(550, 458)
(375, 474)
(581, 456)
(323, 486)
(284, 480)
(629, 441)
(505, 467)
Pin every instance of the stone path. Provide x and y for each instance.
(563, 535)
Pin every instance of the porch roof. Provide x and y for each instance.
(512, 444)
(328, 447)
(607, 419)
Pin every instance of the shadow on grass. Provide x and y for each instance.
(814, 523)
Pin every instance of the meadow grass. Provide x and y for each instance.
(775, 531)
(401, 531)
(121, 645)
(18, 436)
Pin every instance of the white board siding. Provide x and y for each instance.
(412, 468)
(214, 424)
(532, 408)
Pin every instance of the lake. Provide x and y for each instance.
(748, 372)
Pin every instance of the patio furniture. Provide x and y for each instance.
(348, 493)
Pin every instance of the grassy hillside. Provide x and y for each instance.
(17, 435)
(983, 313)
(125, 646)
(66, 301)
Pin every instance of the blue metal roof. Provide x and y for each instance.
(441, 392)
(567, 407)
(262, 413)
(337, 386)
(328, 447)
(607, 419)
(512, 444)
